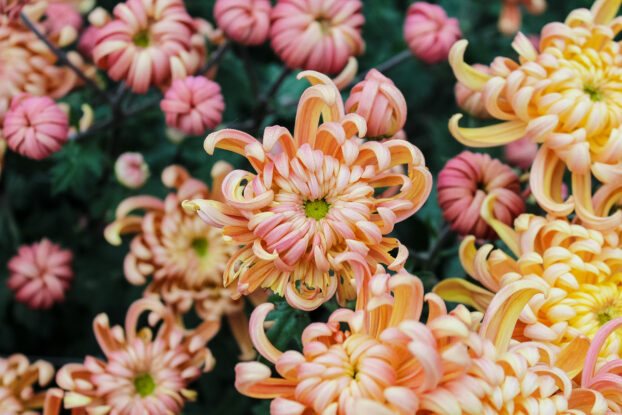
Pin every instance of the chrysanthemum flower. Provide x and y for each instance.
(521, 153)
(380, 359)
(35, 127)
(143, 372)
(185, 256)
(429, 32)
(193, 105)
(469, 100)
(309, 210)
(17, 377)
(131, 170)
(28, 65)
(12, 8)
(144, 40)
(40, 274)
(319, 35)
(62, 23)
(244, 21)
(464, 183)
(380, 102)
(581, 269)
(510, 17)
(561, 99)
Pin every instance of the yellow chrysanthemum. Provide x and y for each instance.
(582, 269)
(568, 97)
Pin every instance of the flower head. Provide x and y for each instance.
(35, 127)
(521, 153)
(185, 256)
(87, 41)
(40, 274)
(308, 218)
(62, 23)
(319, 35)
(464, 183)
(143, 372)
(469, 100)
(244, 21)
(131, 170)
(17, 377)
(377, 99)
(193, 105)
(380, 359)
(580, 268)
(429, 32)
(510, 17)
(147, 42)
(557, 98)
(12, 8)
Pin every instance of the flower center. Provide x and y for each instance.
(316, 209)
(141, 39)
(200, 246)
(144, 384)
(594, 93)
(607, 314)
(325, 25)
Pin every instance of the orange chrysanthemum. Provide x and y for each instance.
(567, 97)
(381, 360)
(580, 269)
(309, 214)
(17, 377)
(185, 256)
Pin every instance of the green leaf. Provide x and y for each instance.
(77, 167)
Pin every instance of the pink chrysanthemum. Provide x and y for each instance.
(319, 35)
(139, 45)
(429, 32)
(144, 372)
(464, 183)
(469, 100)
(308, 217)
(193, 105)
(87, 41)
(17, 377)
(380, 102)
(35, 127)
(521, 153)
(381, 360)
(12, 8)
(244, 21)
(40, 274)
(62, 23)
(131, 170)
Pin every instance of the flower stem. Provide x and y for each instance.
(215, 58)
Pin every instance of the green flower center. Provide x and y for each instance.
(200, 246)
(593, 92)
(325, 25)
(144, 384)
(316, 209)
(141, 39)
(607, 314)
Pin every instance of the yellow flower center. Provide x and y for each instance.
(316, 209)
(144, 384)
(200, 246)
(141, 39)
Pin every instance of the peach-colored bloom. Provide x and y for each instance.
(464, 183)
(40, 274)
(319, 35)
(559, 99)
(380, 102)
(17, 377)
(62, 23)
(145, 42)
(521, 153)
(308, 214)
(193, 105)
(429, 32)
(131, 170)
(28, 65)
(12, 8)
(469, 100)
(185, 256)
(35, 127)
(580, 268)
(143, 372)
(510, 17)
(381, 360)
(244, 21)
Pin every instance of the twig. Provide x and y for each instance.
(387, 65)
(62, 57)
(215, 58)
(436, 247)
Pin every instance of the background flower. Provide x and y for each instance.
(244, 21)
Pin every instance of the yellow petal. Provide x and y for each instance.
(605, 10)
(462, 291)
(472, 78)
(490, 136)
